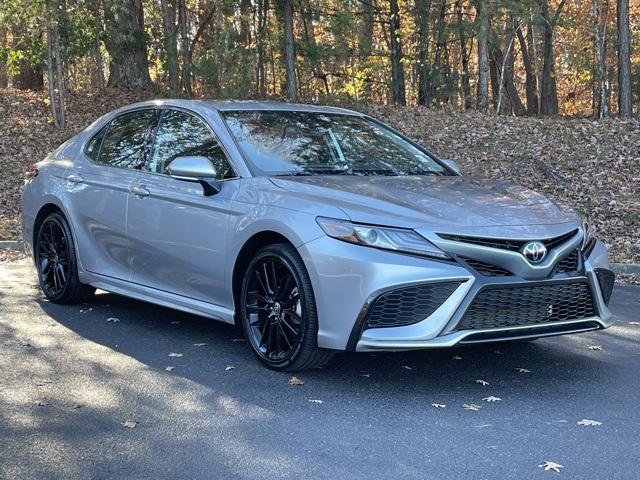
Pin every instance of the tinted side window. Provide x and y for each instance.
(125, 141)
(181, 134)
(92, 148)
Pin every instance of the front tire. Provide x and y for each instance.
(278, 311)
(57, 263)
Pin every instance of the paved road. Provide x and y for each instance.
(69, 378)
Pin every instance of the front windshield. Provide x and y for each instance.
(307, 143)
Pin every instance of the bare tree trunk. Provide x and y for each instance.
(4, 74)
(126, 43)
(422, 19)
(96, 46)
(464, 57)
(285, 10)
(184, 44)
(624, 60)
(365, 44)
(599, 35)
(482, 101)
(506, 76)
(170, 30)
(59, 70)
(548, 89)
(528, 59)
(440, 55)
(50, 83)
(261, 79)
(397, 69)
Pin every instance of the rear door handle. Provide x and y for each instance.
(139, 191)
(75, 178)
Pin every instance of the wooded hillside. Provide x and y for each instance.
(591, 165)
(524, 57)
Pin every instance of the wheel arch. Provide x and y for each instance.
(246, 253)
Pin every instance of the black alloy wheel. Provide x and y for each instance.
(56, 262)
(278, 310)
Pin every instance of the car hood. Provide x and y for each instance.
(464, 202)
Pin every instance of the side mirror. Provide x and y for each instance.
(452, 165)
(195, 169)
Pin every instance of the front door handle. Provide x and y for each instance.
(139, 191)
(75, 178)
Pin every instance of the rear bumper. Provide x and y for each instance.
(348, 279)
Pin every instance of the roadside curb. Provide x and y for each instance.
(627, 268)
(12, 244)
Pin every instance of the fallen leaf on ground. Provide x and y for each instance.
(200, 344)
(312, 400)
(595, 347)
(471, 406)
(491, 398)
(295, 381)
(169, 369)
(589, 423)
(522, 370)
(175, 354)
(129, 424)
(229, 367)
(113, 319)
(438, 405)
(484, 383)
(547, 465)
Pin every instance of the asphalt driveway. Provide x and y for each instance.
(71, 376)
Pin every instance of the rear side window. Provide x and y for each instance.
(125, 142)
(182, 134)
(92, 148)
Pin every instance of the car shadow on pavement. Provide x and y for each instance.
(150, 334)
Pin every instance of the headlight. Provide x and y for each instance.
(397, 239)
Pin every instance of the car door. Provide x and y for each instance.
(98, 192)
(179, 235)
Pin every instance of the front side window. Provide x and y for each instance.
(308, 143)
(124, 144)
(181, 134)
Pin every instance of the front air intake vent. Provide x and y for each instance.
(408, 305)
(507, 244)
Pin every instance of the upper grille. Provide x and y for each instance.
(408, 305)
(568, 264)
(507, 244)
(487, 269)
(515, 305)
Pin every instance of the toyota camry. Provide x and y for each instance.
(315, 229)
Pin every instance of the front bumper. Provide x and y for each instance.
(348, 278)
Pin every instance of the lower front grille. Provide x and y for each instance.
(408, 305)
(499, 307)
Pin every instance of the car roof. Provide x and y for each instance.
(233, 105)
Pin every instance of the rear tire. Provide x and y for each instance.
(57, 262)
(278, 311)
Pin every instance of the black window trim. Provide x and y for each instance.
(106, 126)
(164, 108)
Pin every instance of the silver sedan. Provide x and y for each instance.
(316, 229)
